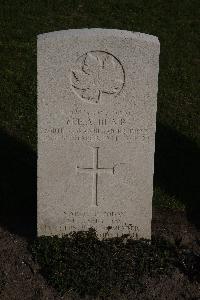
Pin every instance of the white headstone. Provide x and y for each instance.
(97, 91)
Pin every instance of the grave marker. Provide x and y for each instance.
(97, 92)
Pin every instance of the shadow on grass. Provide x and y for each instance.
(176, 172)
(17, 186)
(177, 167)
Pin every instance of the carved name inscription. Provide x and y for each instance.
(82, 125)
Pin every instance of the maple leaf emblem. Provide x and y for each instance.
(98, 74)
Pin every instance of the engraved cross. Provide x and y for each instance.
(95, 170)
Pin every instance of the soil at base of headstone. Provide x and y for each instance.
(20, 276)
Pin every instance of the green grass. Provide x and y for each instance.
(174, 22)
(163, 200)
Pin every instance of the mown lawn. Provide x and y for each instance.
(176, 25)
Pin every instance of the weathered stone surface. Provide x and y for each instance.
(97, 92)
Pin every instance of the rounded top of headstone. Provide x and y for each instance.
(89, 32)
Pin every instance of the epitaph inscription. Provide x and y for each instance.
(97, 92)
